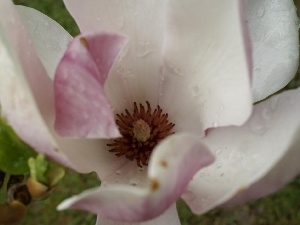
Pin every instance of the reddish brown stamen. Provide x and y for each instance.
(141, 132)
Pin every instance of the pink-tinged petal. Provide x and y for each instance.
(26, 94)
(206, 65)
(170, 216)
(136, 75)
(173, 164)
(274, 34)
(264, 151)
(49, 38)
(82, 108)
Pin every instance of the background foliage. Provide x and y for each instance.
(282, 208)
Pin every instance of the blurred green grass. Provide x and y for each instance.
(282, 208)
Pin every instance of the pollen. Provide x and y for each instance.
(141, 131)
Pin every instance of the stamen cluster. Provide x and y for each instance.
(141, 132)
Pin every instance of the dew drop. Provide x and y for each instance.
(144, 54)
(261, 12)
(266, 114)
(203, 199)
(215, 124)
(118, 172)
(133, 182)
(218, 151)
(104, 184)
(195, 89)
(257, 127)
(218, 165)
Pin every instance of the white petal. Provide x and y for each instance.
(26, 94)
(206, 65)
(170, 216)
(275, 41)
(89, 155)
(49, 38)
(245, 155)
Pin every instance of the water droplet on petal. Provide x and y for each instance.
(260, 12)
(195, 90)
(266, 114)
(133, 182)
(215, 124)
(218, 165)
(218, 151)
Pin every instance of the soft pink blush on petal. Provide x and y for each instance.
(136, 75)
(82, 108)
(172, 165)
(261, 155)
(26, 92)
(169, 217)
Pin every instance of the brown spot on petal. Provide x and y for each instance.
(164, 163)
(240, 190)
(84, 42)
(154, 185)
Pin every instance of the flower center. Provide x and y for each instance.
(141, 132)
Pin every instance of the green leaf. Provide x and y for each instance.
(14, 153)
(38, 167)
(47, 173)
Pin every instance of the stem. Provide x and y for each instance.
(3, 190)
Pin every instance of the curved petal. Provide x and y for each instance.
(26, 94)
(170, 170)
(49, 38)
(82, 109)
(264, 151)
(274, 34)
(170, 216)
(136, 75)
(206, 64)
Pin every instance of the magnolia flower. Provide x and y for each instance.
(189, 66)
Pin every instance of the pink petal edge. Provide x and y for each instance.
(169, 217)
(173, 164)
(82, 108)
